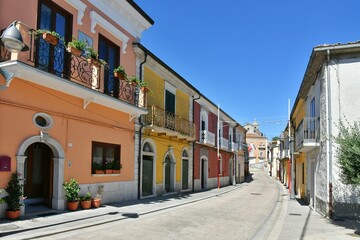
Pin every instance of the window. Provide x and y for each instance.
(105, 157)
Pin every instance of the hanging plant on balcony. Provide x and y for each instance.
(92, 57)
(134, 81)
(120, 73)
(51, 37)
(76, 47)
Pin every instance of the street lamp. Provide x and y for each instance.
(12, 39)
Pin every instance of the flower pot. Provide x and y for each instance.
(74, 51)
(10, 214)
(93, 62)
(72, 206)
(116, 171)
(99, 172)
(96, 202)
(108, 171)
(120, 76)
(85, 204)
(50, 38)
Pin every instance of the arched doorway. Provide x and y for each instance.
(38, 174)
(185, 170)
(231, 172)
(204, 172)
(169, 169)
(148, 169)
(58, 195)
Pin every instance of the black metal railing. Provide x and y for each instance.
(58, 61)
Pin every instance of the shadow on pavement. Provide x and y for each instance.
(249, 178)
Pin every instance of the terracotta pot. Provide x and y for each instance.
(12, 214)
(99, 172)
(50, 38)
(74, 51)
(85, 204)
(96, 202)
(108, 171)
(93, 62)
(119, 75)
(72, 206)
(116, 171)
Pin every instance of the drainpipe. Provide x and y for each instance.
(140, 132)
(193, 144)
(328, 136)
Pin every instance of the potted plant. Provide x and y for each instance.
(76, 47)
(120, 73)
(72, 194)
(108, 167)
(96, 201)
(116, 166)
(92, 56)
(14, 197)
(97, 168)
(85, 201)
(134, 81)
(51, 37)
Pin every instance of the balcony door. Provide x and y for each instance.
(53, 18)
(169, 110)
(110, 52)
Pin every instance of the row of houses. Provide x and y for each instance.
(63, 116)
(327, 96)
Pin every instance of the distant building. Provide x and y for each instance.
(257, 145)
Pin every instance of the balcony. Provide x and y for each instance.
(56, 68)
(166, 123)
(234, 146)
(207, 138)
(307, 135)
(224, 143)
(244, 147)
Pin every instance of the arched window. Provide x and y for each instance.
(147, 148)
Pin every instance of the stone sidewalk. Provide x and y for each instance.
(299, 221)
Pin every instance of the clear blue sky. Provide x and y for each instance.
(247, 56)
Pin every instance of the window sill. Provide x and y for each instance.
(104, 175)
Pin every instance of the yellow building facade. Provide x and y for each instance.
(300, 157)
(166, 162)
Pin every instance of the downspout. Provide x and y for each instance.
(328, 136)
(193, 144)
(140, 131)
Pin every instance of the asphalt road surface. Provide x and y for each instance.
(244, 213)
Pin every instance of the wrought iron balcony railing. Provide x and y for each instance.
(307, 134)
(158, 117)
(57, 61)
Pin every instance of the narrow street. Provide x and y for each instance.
(245, 212)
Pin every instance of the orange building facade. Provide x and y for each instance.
(62, 116)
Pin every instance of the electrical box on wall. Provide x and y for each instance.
(5, 164)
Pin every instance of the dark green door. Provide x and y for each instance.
(147, 176)
(167, 174)
(185, 174)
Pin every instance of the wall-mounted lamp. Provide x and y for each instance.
(12, 39)
(8, 76)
